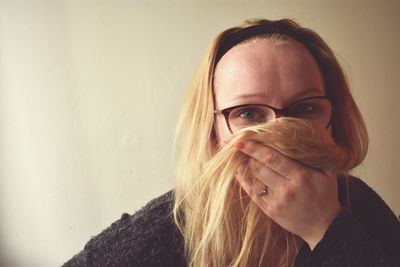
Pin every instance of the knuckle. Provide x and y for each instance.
(254, 167)
(300, 181)
(303, 173)
(288, 195)
(250, 165)
(302, 178)
(272, 159)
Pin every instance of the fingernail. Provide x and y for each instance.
(239, 145)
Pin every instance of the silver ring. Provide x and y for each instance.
(263, 192)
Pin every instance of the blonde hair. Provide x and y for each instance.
(220, 226)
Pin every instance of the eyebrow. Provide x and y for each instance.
(309, 91)
(304, 93)
(245, 96)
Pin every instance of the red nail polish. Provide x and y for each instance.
(239, 145)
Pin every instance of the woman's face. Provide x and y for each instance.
(275, 73)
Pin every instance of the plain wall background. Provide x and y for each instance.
(90, 93)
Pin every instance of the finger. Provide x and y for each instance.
(266, 175)
(271, 158)
(268, 197)
(252, 186)
(253, 190)
(243, 174)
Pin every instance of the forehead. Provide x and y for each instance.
(274, 71)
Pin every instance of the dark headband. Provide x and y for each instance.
(247, 33)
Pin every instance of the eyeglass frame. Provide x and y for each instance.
(283, 112)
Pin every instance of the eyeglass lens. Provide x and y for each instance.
(317, 111)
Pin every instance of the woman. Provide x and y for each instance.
(268, 133)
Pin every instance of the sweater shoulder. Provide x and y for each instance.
(156, 210)
(149, 237)
(141, 225)
(372, 214)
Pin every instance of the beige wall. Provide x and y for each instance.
(90, 92)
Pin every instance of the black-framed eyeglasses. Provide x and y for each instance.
(316, 109)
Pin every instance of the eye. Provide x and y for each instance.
(247, 114)
(305, 109)
(317, 110)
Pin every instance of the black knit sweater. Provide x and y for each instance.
(368, 234)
